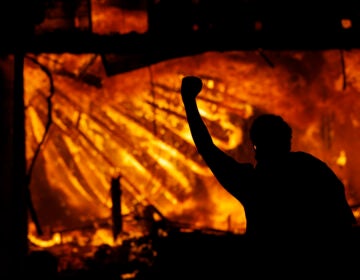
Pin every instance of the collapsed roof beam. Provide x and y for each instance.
(185, 44)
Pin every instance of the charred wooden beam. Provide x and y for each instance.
(125, 52)
(185, 44)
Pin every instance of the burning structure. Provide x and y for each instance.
(100, 97)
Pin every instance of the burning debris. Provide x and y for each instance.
(101, 94)
(137, 126)
(91, 114)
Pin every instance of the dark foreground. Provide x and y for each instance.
(180, 255)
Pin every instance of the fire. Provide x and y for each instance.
(54, 240)
(134, 122)
(107, 19)
(104, 236)
(341, 160)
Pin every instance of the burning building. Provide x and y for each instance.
(101, 98)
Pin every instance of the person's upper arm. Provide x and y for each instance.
(231, 174)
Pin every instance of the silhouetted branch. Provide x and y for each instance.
(264, 56)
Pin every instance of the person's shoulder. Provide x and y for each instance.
(306, 157)
(302, 154)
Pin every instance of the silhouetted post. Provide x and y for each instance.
(13, 212)
(116, 206)
(16, 31)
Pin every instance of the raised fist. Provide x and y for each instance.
(190, 87)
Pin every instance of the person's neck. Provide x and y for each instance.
(272, 157)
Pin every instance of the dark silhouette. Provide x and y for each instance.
(298, 218)
(42, 264)
(116, 206)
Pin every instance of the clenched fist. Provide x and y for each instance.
(190, 87)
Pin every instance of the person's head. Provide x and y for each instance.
(270, 136)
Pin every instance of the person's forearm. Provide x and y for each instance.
(198, 129)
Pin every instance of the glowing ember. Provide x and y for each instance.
(341, 161)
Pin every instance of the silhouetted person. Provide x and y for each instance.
(298, 218)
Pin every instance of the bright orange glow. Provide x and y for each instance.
(341, 160)
(346, 23)
(135, 124)
(103, 236)
(55, 240)
(108, 19)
